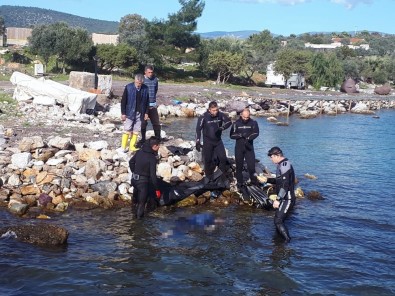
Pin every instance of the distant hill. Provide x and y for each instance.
(236, 34)
(27, 17)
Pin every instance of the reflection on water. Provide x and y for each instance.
(343, 245)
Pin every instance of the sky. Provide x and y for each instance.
(283, 17)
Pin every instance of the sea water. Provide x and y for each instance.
(342, 245)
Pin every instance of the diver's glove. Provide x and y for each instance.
(198, 146)
(248, 145)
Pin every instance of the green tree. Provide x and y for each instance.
(390, 67)
(181, 26)
(383, 45)
(295, 44)
(345, 52)
(326, 70)
(225, 64)
(133, 31)
(260, 50)
(71, 44)
(380, 76)
(351, 68)
(2, 26)
(209, 46)
(170, 37)
(42, 42)
(59, 40)
(121, 56)
(290, 61)
(80, 47)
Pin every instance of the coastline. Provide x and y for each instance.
(54, 160)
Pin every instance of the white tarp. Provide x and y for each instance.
(28, 87)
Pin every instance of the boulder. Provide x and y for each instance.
(382, 90)
(39, 234)
(349, 86)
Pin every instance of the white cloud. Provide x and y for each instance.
(347, 3)
(351, 3)
(286, 2)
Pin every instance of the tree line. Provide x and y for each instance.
(169, 42)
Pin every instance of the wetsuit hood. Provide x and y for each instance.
(147, 148)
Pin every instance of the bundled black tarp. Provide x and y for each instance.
(256, 196)
(171, 194)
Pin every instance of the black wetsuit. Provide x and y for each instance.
(213, 147)
(285, 190)
(244, 132)
(144, 180)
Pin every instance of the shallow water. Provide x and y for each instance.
(343, 245)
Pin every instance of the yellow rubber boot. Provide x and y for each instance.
(132, 144)
(124, 143)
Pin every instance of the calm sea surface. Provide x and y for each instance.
(343, 245)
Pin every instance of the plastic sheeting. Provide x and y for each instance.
(43, 90)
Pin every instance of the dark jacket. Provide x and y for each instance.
(143, 163)
(285, 180)
(153, 85)
(128, 102)
(212, 127)
(244, 130)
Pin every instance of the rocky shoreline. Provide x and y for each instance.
(52, 159)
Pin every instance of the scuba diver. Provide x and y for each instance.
(212, 123)
(244, 130)
(285, 189)
(143, 168)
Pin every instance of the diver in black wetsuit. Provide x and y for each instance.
(244, 130)
(212, 123)
(285, 189)
(143, 168)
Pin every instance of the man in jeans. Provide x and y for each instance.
(151, 81)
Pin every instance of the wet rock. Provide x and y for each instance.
(309, 176)
(361, 108)
(44, 199)
(39, 234)
(187, 202)
(83, 205)
(299, 192)
(18, 208)
(314, 195)
(105, 187)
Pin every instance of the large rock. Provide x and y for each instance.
(237, 106)
(349, 86)
(39, 234)
(21, 160)
(30, 143)
(382, 90)
(86, 81)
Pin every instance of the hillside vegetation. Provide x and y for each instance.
(27, 17)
